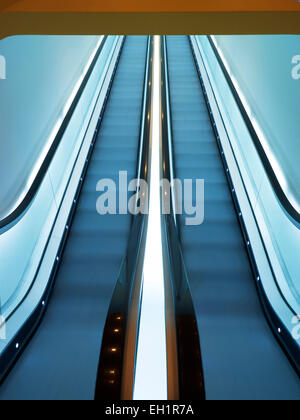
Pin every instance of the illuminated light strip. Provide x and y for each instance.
(55, 130)
(282, 179)
(151, 364)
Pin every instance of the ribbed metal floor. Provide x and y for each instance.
(62, 358)
(241, 357)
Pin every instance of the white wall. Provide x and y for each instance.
(40, 75)
(268, 73)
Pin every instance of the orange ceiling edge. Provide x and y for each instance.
(148, 6)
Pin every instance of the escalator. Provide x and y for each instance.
(241, 358)
(61, 360)
(85, 345)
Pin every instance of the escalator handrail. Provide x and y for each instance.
(189, 362)
(293, 214)
(17, 213)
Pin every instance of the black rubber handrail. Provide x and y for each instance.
(7, 222)
(124, 310)
(280, 193)
(187, 343)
